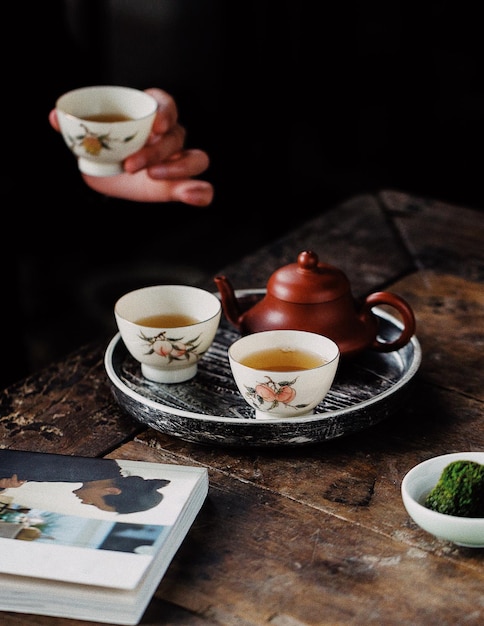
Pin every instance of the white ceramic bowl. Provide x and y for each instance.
(418, 482)
(276, 394)
(101, 145)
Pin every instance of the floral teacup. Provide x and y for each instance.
(102, 125)
(168, 329)
(284, 373)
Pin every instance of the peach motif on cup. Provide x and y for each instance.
(92, 142)
(268, 395)
(172, 348)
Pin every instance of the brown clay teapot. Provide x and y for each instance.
(314, 296)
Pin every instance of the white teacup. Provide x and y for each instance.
(104, 124)
(168, 328)
(284, 373)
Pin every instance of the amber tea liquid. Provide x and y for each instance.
(283, 360)
(170, 320)
(107, 117)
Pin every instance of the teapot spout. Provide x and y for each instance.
(230, 305)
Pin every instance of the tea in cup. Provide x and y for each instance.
(102, 125)
(284, 373)
(168, 329)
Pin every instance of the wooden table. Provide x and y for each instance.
(313, 534)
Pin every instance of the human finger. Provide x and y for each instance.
(156, 150)
(185, 164)
(54, 122)
(141, 188)
(167, 113)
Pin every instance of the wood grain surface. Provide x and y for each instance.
(313, 535)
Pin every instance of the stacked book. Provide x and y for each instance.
(88, 538)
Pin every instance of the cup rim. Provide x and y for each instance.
(282, 332)
(211, 297)
(61, 101)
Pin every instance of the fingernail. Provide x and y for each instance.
(199, 194)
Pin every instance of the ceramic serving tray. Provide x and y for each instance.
(210, 410)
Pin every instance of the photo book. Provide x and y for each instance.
(90, 538)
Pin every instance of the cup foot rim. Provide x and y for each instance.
(267, 415)
(169, 376)
(96, 168)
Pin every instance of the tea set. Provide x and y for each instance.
(308, 309)
(303, 303)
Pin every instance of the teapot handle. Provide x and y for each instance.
(408, 319)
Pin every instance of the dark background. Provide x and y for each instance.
(299, 104)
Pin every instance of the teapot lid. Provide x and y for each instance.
(308, 281)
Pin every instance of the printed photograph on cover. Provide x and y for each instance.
(26, 524)
(105, 489)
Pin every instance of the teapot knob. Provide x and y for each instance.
(308, 281)
(308, 260)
